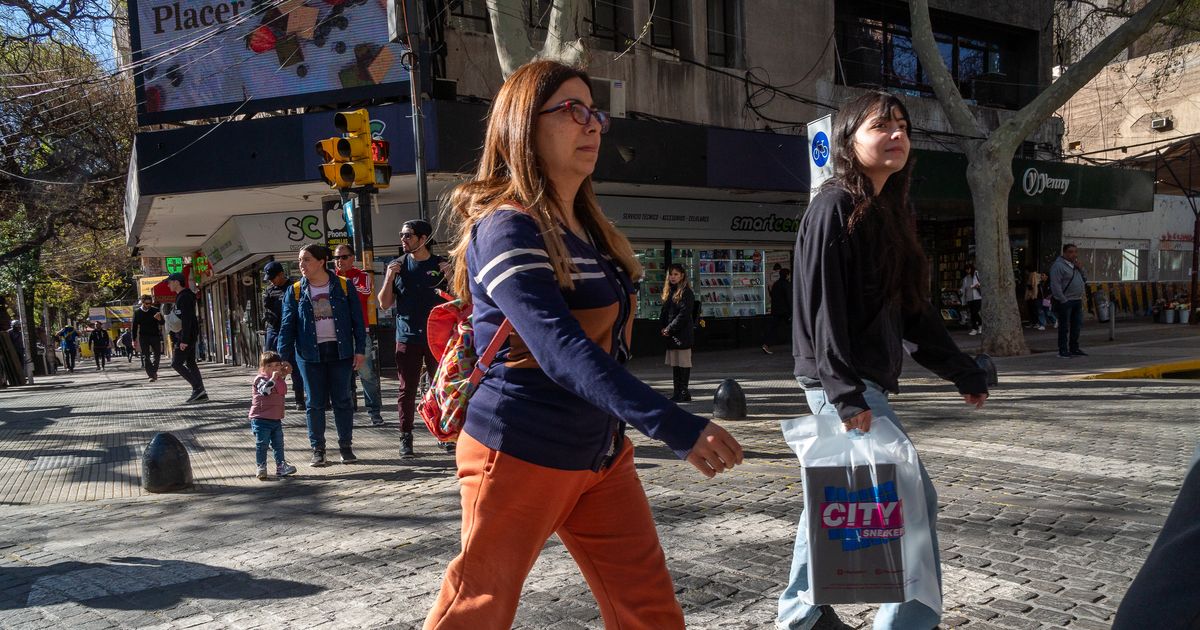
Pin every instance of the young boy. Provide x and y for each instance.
(266, 413)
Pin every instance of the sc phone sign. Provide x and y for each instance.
(820, 167)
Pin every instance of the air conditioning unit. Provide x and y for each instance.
(1161, 123)
(609, 95)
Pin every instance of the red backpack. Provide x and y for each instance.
(451, 338)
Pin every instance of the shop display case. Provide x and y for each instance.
(731, 282)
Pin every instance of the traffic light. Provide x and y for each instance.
(348, 160)
(379, 156)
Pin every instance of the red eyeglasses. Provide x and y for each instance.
(581, 113)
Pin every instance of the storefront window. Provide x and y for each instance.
(732, 282)
(1115, 265)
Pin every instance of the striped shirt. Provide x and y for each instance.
(557, 395)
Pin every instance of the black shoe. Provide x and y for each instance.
(766, 349)
(685, 396)
(406, 449)
(1078, 353)
(196, 396)
(449, 447)
(300, 406)
(318, 458)
(1063, 355)
(201, 397)
(347, 454)
(676, 397)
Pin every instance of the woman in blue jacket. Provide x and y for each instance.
(322, 331)
(543, 449)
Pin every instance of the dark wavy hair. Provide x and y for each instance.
(885, 219)
(318, 251)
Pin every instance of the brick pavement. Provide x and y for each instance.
(1050, 498)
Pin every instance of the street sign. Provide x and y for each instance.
(174, 264)
(820, 152)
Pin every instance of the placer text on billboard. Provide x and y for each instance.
(204, 58)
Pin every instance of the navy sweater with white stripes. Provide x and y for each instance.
(556, 394)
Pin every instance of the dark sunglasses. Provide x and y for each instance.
(581, 113)
(408, 235)
(343, 257)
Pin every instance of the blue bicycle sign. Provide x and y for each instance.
(820, 149)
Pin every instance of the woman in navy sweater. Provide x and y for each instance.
(543, 450)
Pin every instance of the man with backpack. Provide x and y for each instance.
(411, 283)
(183, 322)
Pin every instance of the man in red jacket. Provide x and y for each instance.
(343, 262)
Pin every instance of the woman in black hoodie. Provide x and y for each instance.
(678, 326)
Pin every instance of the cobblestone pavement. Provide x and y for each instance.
(1051, 497)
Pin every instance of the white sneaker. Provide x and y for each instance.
(262, 473)
(974, 331)
(1041, 328)
(284, 469)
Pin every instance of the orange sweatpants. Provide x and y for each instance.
(510, 507)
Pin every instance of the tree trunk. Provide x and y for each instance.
(990, 177)
(564, 33)
(511, 34)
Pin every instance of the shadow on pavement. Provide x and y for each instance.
(134, 583)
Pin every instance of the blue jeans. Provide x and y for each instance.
(267, 433)
(1070, 321)
(328, 379)
(910, 615)
(370, 383)
(297, 379)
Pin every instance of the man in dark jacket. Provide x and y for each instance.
(14, 335)
(781, 309)
(184, 361)
(278, 283)
(147, 335)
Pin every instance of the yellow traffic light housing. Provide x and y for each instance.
(348, 160)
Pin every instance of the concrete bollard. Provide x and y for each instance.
(729, 402)
(165, 465)
(987, 365)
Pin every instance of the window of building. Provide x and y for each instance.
(1115, 265)
(471, 15)
(611, 22)
(668, 24)
(993, 64)
(724, 33)
(1174, 265)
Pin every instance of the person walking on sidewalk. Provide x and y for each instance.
(543, 450)
(147, 335)
(1033, 299)
(98, 341)
(343, 263)
(679, 329)
(279, 283)
(862, 286)
(267, 412)
(411, 284)
(1067, 285)
(973, 298)
(781, 309)
(126, 341)
(322, 328)
(18, 341)
(68, 339)
(184, 358)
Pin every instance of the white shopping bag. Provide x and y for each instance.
(865, 516)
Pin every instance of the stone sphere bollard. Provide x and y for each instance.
(987, 365)
(729, 403)
(165, 465)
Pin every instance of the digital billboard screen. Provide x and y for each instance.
(203, 58)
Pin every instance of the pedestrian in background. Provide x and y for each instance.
(1033, 298)
(973, 298)
(279, 283)
(68, 339)
(411, 284)
(1067, 285)
(18, 342)
(862, 286)
(343, 263)
(98, 341)
(147, 335)
(126, 341)
(267, 411)
(679, 329)
(543, 450)
(781, 309)
(323, 329)
(184, 358)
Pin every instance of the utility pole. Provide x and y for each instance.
(407, 27)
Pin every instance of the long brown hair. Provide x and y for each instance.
(510, 172)
(885, 219)
(683, 284)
